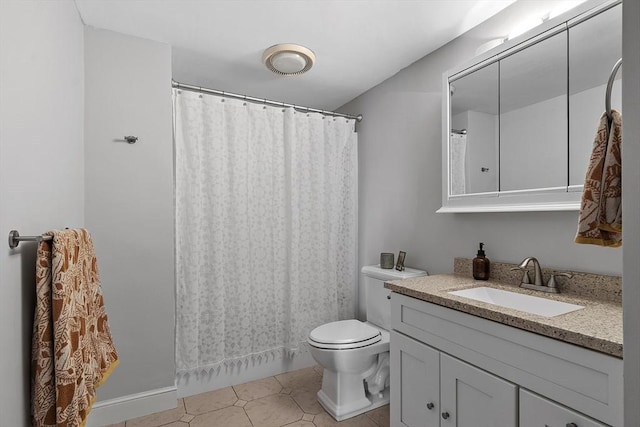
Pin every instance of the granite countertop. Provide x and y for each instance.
(598, 326)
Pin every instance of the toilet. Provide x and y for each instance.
(355, 354)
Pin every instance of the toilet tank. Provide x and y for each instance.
(378, 305)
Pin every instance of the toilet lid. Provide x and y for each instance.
(344, 332)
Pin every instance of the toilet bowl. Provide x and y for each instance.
(355, 354)
(347, 362)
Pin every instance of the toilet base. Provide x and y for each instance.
(362, 404)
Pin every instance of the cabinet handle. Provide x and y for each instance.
(429, 406)
(572, 425)
(445, 415)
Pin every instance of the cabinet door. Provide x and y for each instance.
(471, 397)
(415, 383)
(536, 411)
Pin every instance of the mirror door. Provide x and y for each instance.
(473, 139)
(533, 117)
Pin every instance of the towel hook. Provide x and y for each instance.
(131, 139)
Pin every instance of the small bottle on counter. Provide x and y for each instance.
(481, 265)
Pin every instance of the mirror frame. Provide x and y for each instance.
(565, 198)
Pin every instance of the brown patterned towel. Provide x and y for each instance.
(600, 220)
(73, 352)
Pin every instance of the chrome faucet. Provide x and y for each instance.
(537, 279)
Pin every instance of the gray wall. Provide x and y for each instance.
(41, 166)
(400, 180)
(129, 202)
(631, 209)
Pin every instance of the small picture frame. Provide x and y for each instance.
(400, 263)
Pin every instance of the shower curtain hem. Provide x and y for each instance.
(246, 361)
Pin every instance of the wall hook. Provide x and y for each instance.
(131, 139)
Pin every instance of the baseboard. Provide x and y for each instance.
(226, 377)
(123, 408)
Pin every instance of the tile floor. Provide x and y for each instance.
(284, 400)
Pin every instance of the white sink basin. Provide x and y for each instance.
(527, 303)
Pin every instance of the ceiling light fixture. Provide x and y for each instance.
(288, 59)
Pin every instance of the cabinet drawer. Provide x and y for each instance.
(585, 380)
(536, 411)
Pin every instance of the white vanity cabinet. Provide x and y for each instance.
(481, 373)
(436, 389)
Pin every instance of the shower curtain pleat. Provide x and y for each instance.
(458, 161)
(266, 229)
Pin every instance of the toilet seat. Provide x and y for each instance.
(344, 335)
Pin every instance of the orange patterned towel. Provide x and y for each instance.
(73, 352)
(600, 221)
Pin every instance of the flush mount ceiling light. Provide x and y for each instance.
(288, 59)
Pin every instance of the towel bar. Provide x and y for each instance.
(15, 238)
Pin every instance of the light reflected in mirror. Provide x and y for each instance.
(594, 47)
(473, 141)
(533, 116)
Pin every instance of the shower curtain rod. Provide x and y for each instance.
(183, 86)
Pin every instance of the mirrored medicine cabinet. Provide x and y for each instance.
(519, 121)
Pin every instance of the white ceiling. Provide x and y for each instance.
(358, 43)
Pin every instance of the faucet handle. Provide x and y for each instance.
(552, 279)
(525, 274)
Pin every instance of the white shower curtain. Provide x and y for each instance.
(266, 229)
(458, 162)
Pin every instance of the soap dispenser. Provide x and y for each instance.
(481, 265)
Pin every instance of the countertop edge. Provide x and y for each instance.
(598, 344)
